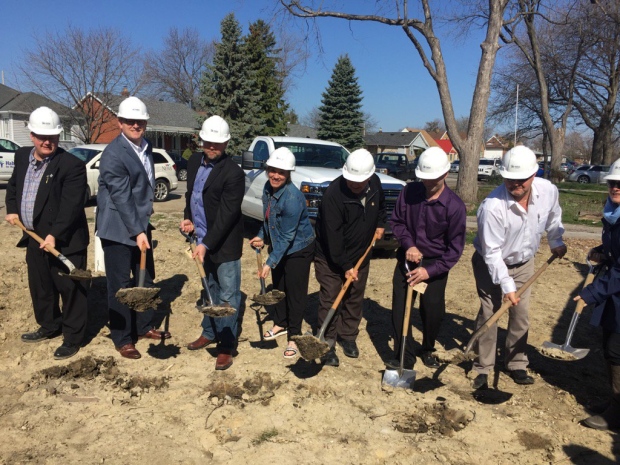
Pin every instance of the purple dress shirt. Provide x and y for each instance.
(435, 227)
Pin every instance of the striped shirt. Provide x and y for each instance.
(34, 175)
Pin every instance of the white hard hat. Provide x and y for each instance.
(133, 108)
(614, 172)
(281, 158)
(45, 122)
(432, 164)
(518, 163)
(360, 166)
(215, 129)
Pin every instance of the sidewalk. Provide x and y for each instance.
(572, 231)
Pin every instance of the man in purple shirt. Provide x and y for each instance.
(429, 224)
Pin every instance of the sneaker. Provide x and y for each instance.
(66, 351)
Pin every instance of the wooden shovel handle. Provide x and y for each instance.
(506, 305)
(408, 305)
(37, 238)
(581, 303)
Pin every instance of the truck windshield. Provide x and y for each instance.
(390, 159)
(327, 156)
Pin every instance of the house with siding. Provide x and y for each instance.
(171, 126)
(495, 147)
(410, 143)
(15, 109)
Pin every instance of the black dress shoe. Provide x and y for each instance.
(349, 348)
(481, 382)
(521, 377)
(330, 359)
(39, 335)
(394, 364)
(66, 351)
(430, 360)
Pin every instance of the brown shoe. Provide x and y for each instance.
(155, 334)
(129, 351)
(224, 360)
(199, 343)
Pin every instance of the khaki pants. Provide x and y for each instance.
(518, 321)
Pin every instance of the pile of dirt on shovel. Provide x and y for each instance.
(139, 299)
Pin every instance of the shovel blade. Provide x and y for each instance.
(563, 352)
(395, 379)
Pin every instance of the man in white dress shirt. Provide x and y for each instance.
(511, 222)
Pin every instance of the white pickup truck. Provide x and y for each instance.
(318, 163)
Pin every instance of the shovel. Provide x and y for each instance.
(311, 347)
(402, 378)
(265, 298)
(140, 298)
(505, 306)
(216, 311)
(565, 351)
(74, 273)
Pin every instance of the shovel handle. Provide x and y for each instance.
(581, 303)
(506, 305)
(142, 271)
(345, 286)
(259, 263)
(201, 270)
(408, 305)
(49, 248)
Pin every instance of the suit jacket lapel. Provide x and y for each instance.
(47, 181)
(217, 167)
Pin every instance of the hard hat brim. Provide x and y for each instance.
(45, 132)
(509, 175)
(356, 177)
(215, 140)
(422, 175)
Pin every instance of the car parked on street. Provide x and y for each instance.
(7, 158)
(586, 174)
(180, 164)
(488, 167)
(165, 172)
(454, 166)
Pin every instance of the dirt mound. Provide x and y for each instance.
(437, 419)
(259, 388)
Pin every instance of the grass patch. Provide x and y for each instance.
(584, 198)
(265, 436)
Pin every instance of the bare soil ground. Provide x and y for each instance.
(172, 407)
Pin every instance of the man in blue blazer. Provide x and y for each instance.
(46, 193)
(215, 188)
(124, 208)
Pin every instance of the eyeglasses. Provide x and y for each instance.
(612, 184)
(44, 137)
(133, 122)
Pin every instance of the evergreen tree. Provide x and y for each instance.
(263, 56)
(229, 89)
(341, 119)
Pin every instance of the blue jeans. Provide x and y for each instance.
(225, 286)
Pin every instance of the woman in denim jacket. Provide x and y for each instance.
(290, 235)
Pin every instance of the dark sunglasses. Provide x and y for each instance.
(133, 122)
(519, 181)
(612, 184)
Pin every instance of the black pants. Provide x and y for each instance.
(432, 310)
(291, 277)
(346, 321)
(611, 347)
(47, 288)
(121, 262)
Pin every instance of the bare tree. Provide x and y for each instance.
(421, 32)
(435, 126)
(68, 65)
(174, 73)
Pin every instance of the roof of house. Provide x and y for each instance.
(14, 101)
(298, 130)
(495, 142)
(392, 139)
(445, 145)
(162, 115)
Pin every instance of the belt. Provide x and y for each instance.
(516, 265)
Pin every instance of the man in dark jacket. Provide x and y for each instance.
(46, 193)
(351, 216)
(215, 188)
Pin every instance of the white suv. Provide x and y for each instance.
(165, 173)
(488, 167)
(7, 158)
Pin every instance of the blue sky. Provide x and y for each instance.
(397, 90)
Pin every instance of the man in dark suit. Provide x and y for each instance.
(124, 208)
(215, 188)
(46, 193)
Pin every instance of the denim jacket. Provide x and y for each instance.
(288, 228)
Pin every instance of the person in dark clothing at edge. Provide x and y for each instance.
(352, 215)
(429, 223)
(604, 295)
